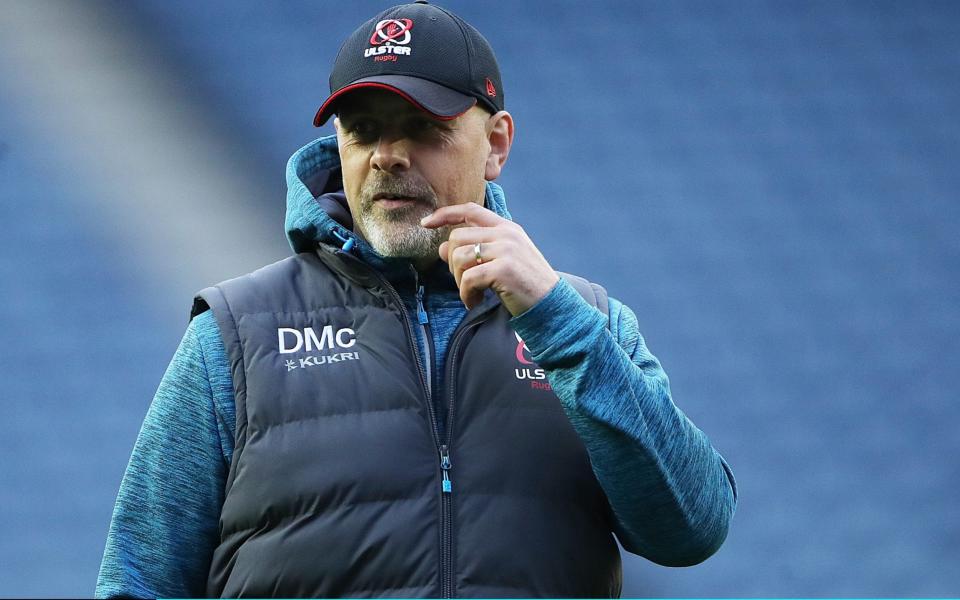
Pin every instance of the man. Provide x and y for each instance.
(415, 404)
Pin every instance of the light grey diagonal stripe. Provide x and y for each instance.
(162, 181)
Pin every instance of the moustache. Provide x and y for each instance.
(400, 188)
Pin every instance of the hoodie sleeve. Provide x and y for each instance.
(672, 494)
(165, 523)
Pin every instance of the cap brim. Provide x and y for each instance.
(438, 101)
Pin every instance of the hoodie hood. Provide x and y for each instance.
(317, 210)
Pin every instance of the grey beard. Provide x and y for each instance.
(397, 233)
(402, 237)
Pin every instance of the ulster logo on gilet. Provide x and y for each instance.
(344, 484)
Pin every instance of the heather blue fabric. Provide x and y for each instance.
(671, 492)
(165, 522)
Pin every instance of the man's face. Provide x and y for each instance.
(399, 165)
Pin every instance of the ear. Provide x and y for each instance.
(499, 129)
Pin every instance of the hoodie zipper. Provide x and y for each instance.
(424, 322)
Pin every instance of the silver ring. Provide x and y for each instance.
(476, 251)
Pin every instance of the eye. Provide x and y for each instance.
(363, 129)
(424, 128)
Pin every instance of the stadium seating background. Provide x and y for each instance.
(771, 186)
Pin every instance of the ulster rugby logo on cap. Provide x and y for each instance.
(429, 56)
(390, 38)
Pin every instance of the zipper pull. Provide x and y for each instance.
(345, 239)
(445, 466)
(421, 312)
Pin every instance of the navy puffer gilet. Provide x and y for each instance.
(341, 482)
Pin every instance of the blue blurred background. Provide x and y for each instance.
(771, 186)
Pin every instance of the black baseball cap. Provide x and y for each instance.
(434, 59)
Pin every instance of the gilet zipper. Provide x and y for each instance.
(446, 484)
(446, 526)
(443, 446)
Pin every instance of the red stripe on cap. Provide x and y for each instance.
(389, 88)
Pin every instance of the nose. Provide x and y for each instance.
(391, 155)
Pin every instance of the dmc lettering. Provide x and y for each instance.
(292, 340)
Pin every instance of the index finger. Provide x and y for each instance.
(468, 213)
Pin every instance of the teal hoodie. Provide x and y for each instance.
(672, 494)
